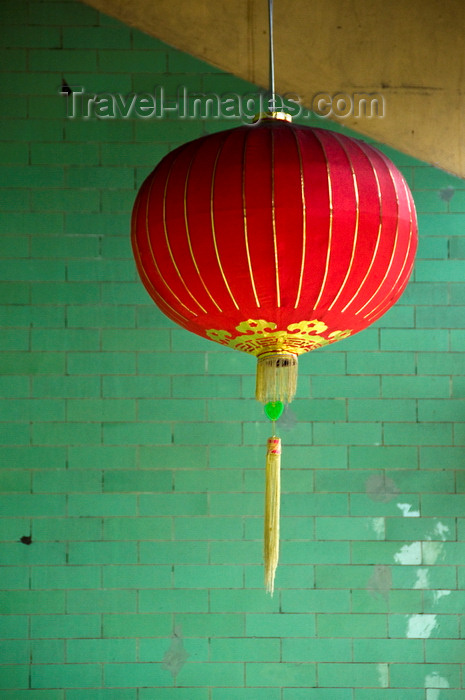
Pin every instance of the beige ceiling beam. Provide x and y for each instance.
(411, 52)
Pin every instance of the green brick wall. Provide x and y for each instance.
(133, 452)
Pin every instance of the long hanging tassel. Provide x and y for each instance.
(272, 500)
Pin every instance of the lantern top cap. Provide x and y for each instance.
(263, 116)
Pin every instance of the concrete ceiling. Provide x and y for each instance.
(412, 52)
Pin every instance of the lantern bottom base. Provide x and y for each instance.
(276, 377)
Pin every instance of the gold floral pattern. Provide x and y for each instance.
(256, 336)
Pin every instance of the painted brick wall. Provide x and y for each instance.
(133, 452)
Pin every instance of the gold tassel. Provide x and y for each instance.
(272, 499)
(276, 377)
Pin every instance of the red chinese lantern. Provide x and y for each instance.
(274, 239)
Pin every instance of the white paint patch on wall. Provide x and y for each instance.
(441, 530)
(420, 626)
(432, 551)
(409, 554)
(437, 595)
(422, 579)
(379, 527)
(407, 512)
(433, 694)
(434, 682)
(383, 675)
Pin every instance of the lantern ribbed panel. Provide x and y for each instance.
(278, 224)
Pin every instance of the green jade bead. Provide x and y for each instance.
(274, 410)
